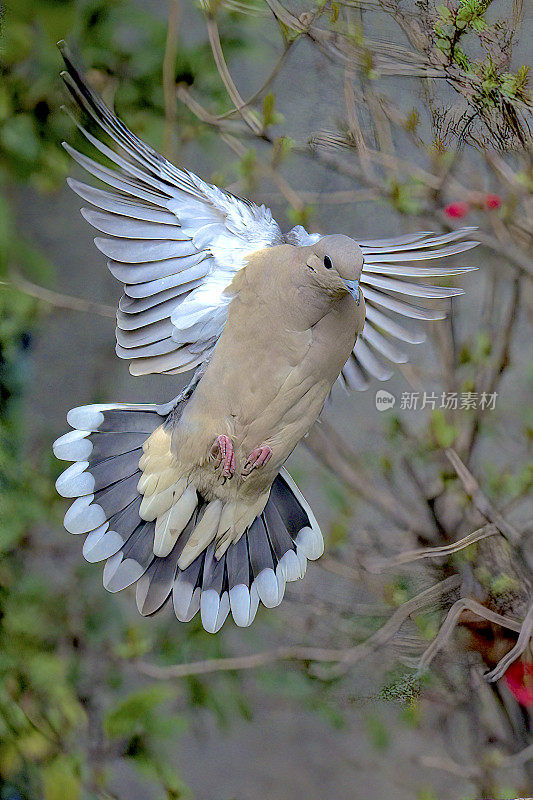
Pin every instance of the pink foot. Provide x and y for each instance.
(223, 449)
(257, 458)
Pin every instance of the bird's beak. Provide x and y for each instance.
(353, 288)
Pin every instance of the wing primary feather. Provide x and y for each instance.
(381, 320)
(113, 178)
(178, 283)
(133, 320)
(121, 204)
(427, 241)
(130, 305)
(173, 363)
(139, 251)
(401, 307)
(383, 345)
(415, 272)
(355, 375)
(126, 166)
(392, 242)
(119, 225)
(408, 288)
(403, 254)
(148, 334)
(146, 275)
(371, 362)
(159, 348)
(120, 133)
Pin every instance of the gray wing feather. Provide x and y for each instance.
(117, 204)
(163, 220)
(386, 265)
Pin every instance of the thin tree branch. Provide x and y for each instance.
(325, 444)
(58, 300)
(214, 38)
(169, 83)
(382, 564)
(480, 501)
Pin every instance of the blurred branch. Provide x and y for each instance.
(58, 300)
(467, 772)
(522, 643)
(480, 501)
(490, 384)
(517, 759)
(248, 116)
(240, 662)
(452, 618)
(382, 564)
(328, 447)
(342, 659)
(257, 94)
(169, 81)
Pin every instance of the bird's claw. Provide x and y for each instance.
(257, 458)
(222, 449)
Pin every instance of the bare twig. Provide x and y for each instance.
(248, 116)
(452, 618)
(380, 565)
(169, 85)
(480, 501)
(524, 637)
(58, 300)
(326, 445)
(341, 658)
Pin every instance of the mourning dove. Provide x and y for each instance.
(191, 499)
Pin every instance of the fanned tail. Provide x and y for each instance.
(106, 444)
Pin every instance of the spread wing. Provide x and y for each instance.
(392, 298)
(174, 241)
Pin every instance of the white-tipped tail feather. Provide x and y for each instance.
(162, 535)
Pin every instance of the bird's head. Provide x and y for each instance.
(334, 263)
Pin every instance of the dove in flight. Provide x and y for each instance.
(190, 499)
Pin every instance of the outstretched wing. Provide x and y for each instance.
(389, 264)
(176, 241)
(388, 291)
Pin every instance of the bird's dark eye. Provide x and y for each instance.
(327, 262)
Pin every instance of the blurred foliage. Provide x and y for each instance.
(65, 711)
(71, 703)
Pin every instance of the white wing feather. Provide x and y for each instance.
(176, 243)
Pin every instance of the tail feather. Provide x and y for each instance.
(105, 447)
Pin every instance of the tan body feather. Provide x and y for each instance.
(282, 348)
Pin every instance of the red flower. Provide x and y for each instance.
(493, 200)
(457, 210)
(519, 678)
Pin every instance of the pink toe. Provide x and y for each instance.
(257, 458)
(224, 446)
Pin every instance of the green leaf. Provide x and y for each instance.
(133, 714)
(270, 115)
(377, 731)
(443, 433)
(61, 780)
(19, 137)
